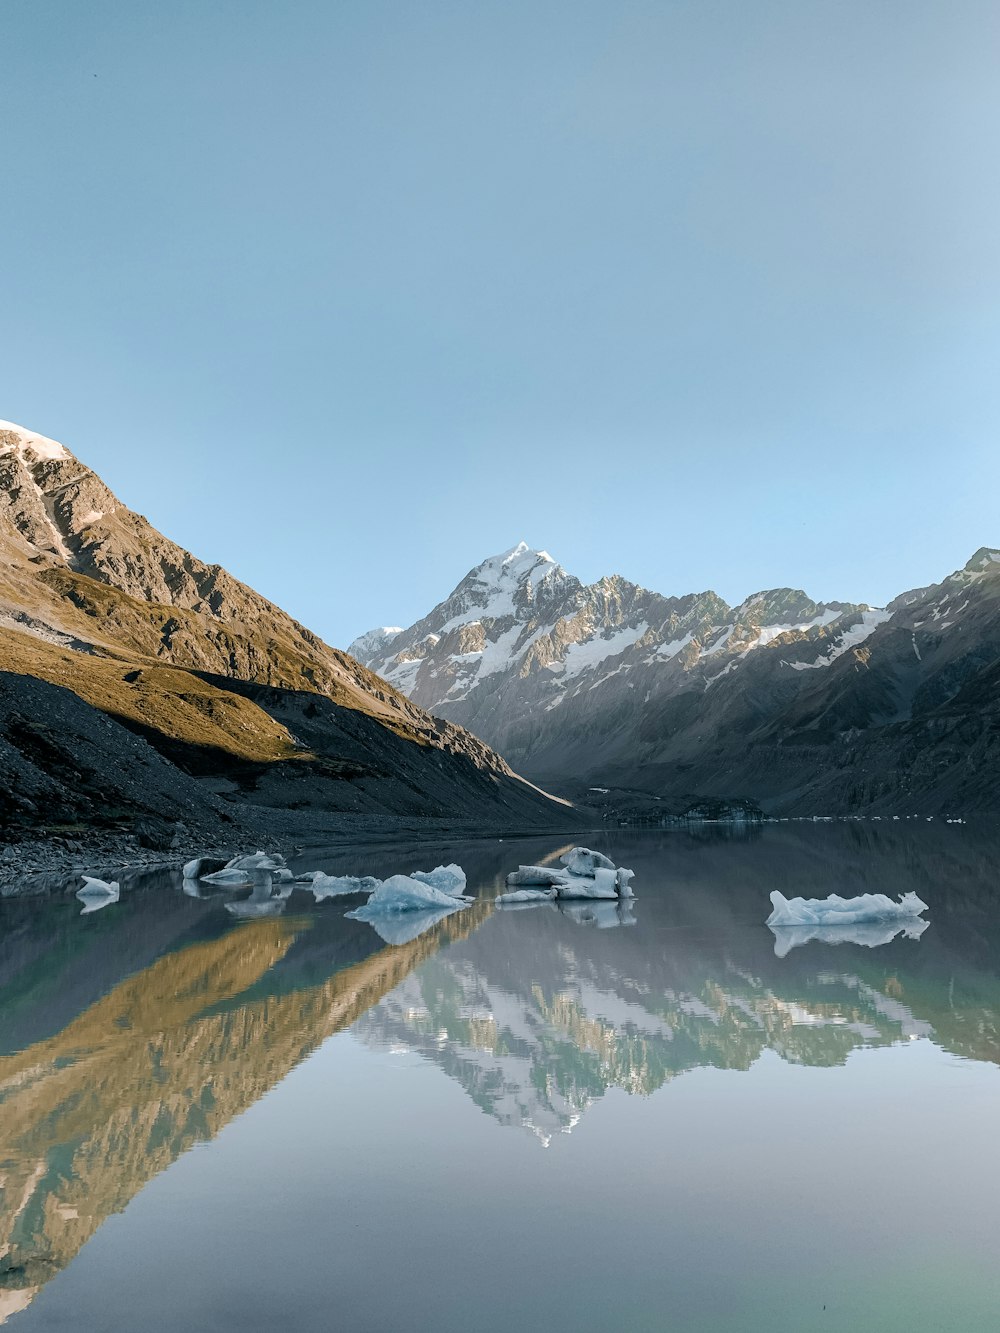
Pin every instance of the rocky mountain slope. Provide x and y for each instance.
(137, 682)
(796, 705)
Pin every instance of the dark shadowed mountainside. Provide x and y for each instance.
(141, 689)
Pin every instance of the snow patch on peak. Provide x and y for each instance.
(494, 589)
(589, 653)
(870, 620)
(521, 560)
(369, 645)
(40, 445)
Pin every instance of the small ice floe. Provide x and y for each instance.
(336, 886)
(837, 911)
(603, 883)
(871, 934)
(582, 861)
(526, 896)
(402, 893)
(624, 880)
(229, 875)
(583, 874)
(257, 861)
(540, 875)
(535, 904)
(242, 869)
(203, 865)
(97, 893)
(449, 879)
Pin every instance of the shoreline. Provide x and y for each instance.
(38, 866)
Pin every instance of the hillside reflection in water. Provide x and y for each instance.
(141, 1032)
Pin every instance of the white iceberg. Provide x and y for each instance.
(336, 886)
(583, 874)
(547, 876)
(582, 861)
(402, 893)
(602, 884)
(231, 876)
(526, 896)
(871, 934)
(97, 893)
(257, 861)
(202, 865)
(837, 911)
(449, 879)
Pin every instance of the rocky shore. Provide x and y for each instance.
(38, 865)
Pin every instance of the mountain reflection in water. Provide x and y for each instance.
(128, 1037)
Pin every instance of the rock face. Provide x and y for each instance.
(238, 699)
(791, 703)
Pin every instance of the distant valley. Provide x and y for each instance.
(685, 703)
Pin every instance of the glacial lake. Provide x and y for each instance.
(543, 1119)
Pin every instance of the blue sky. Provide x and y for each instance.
(348, 296)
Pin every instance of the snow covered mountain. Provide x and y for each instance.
(614, 683)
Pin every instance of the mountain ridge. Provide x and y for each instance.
(206, 671)
(682, 698)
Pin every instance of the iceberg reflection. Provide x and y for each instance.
(871, 934)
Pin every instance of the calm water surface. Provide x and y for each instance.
(515, 1120)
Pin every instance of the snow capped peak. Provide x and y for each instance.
(40, 445)
(370, 644)
(513, 563)
(500, 585)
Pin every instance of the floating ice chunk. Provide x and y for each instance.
(97, 888)
(406, 926)
(837, 911)
(449, 879)
(230, 875)
(335, 886)
(582, 861)
(602, 884)
(401, 893)
(542, 875)
(871, 934)
(526, 896)
(257, 861)
(624, 882)
(97, 893)
(203, 865)
(535, 905)
(599, 881)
